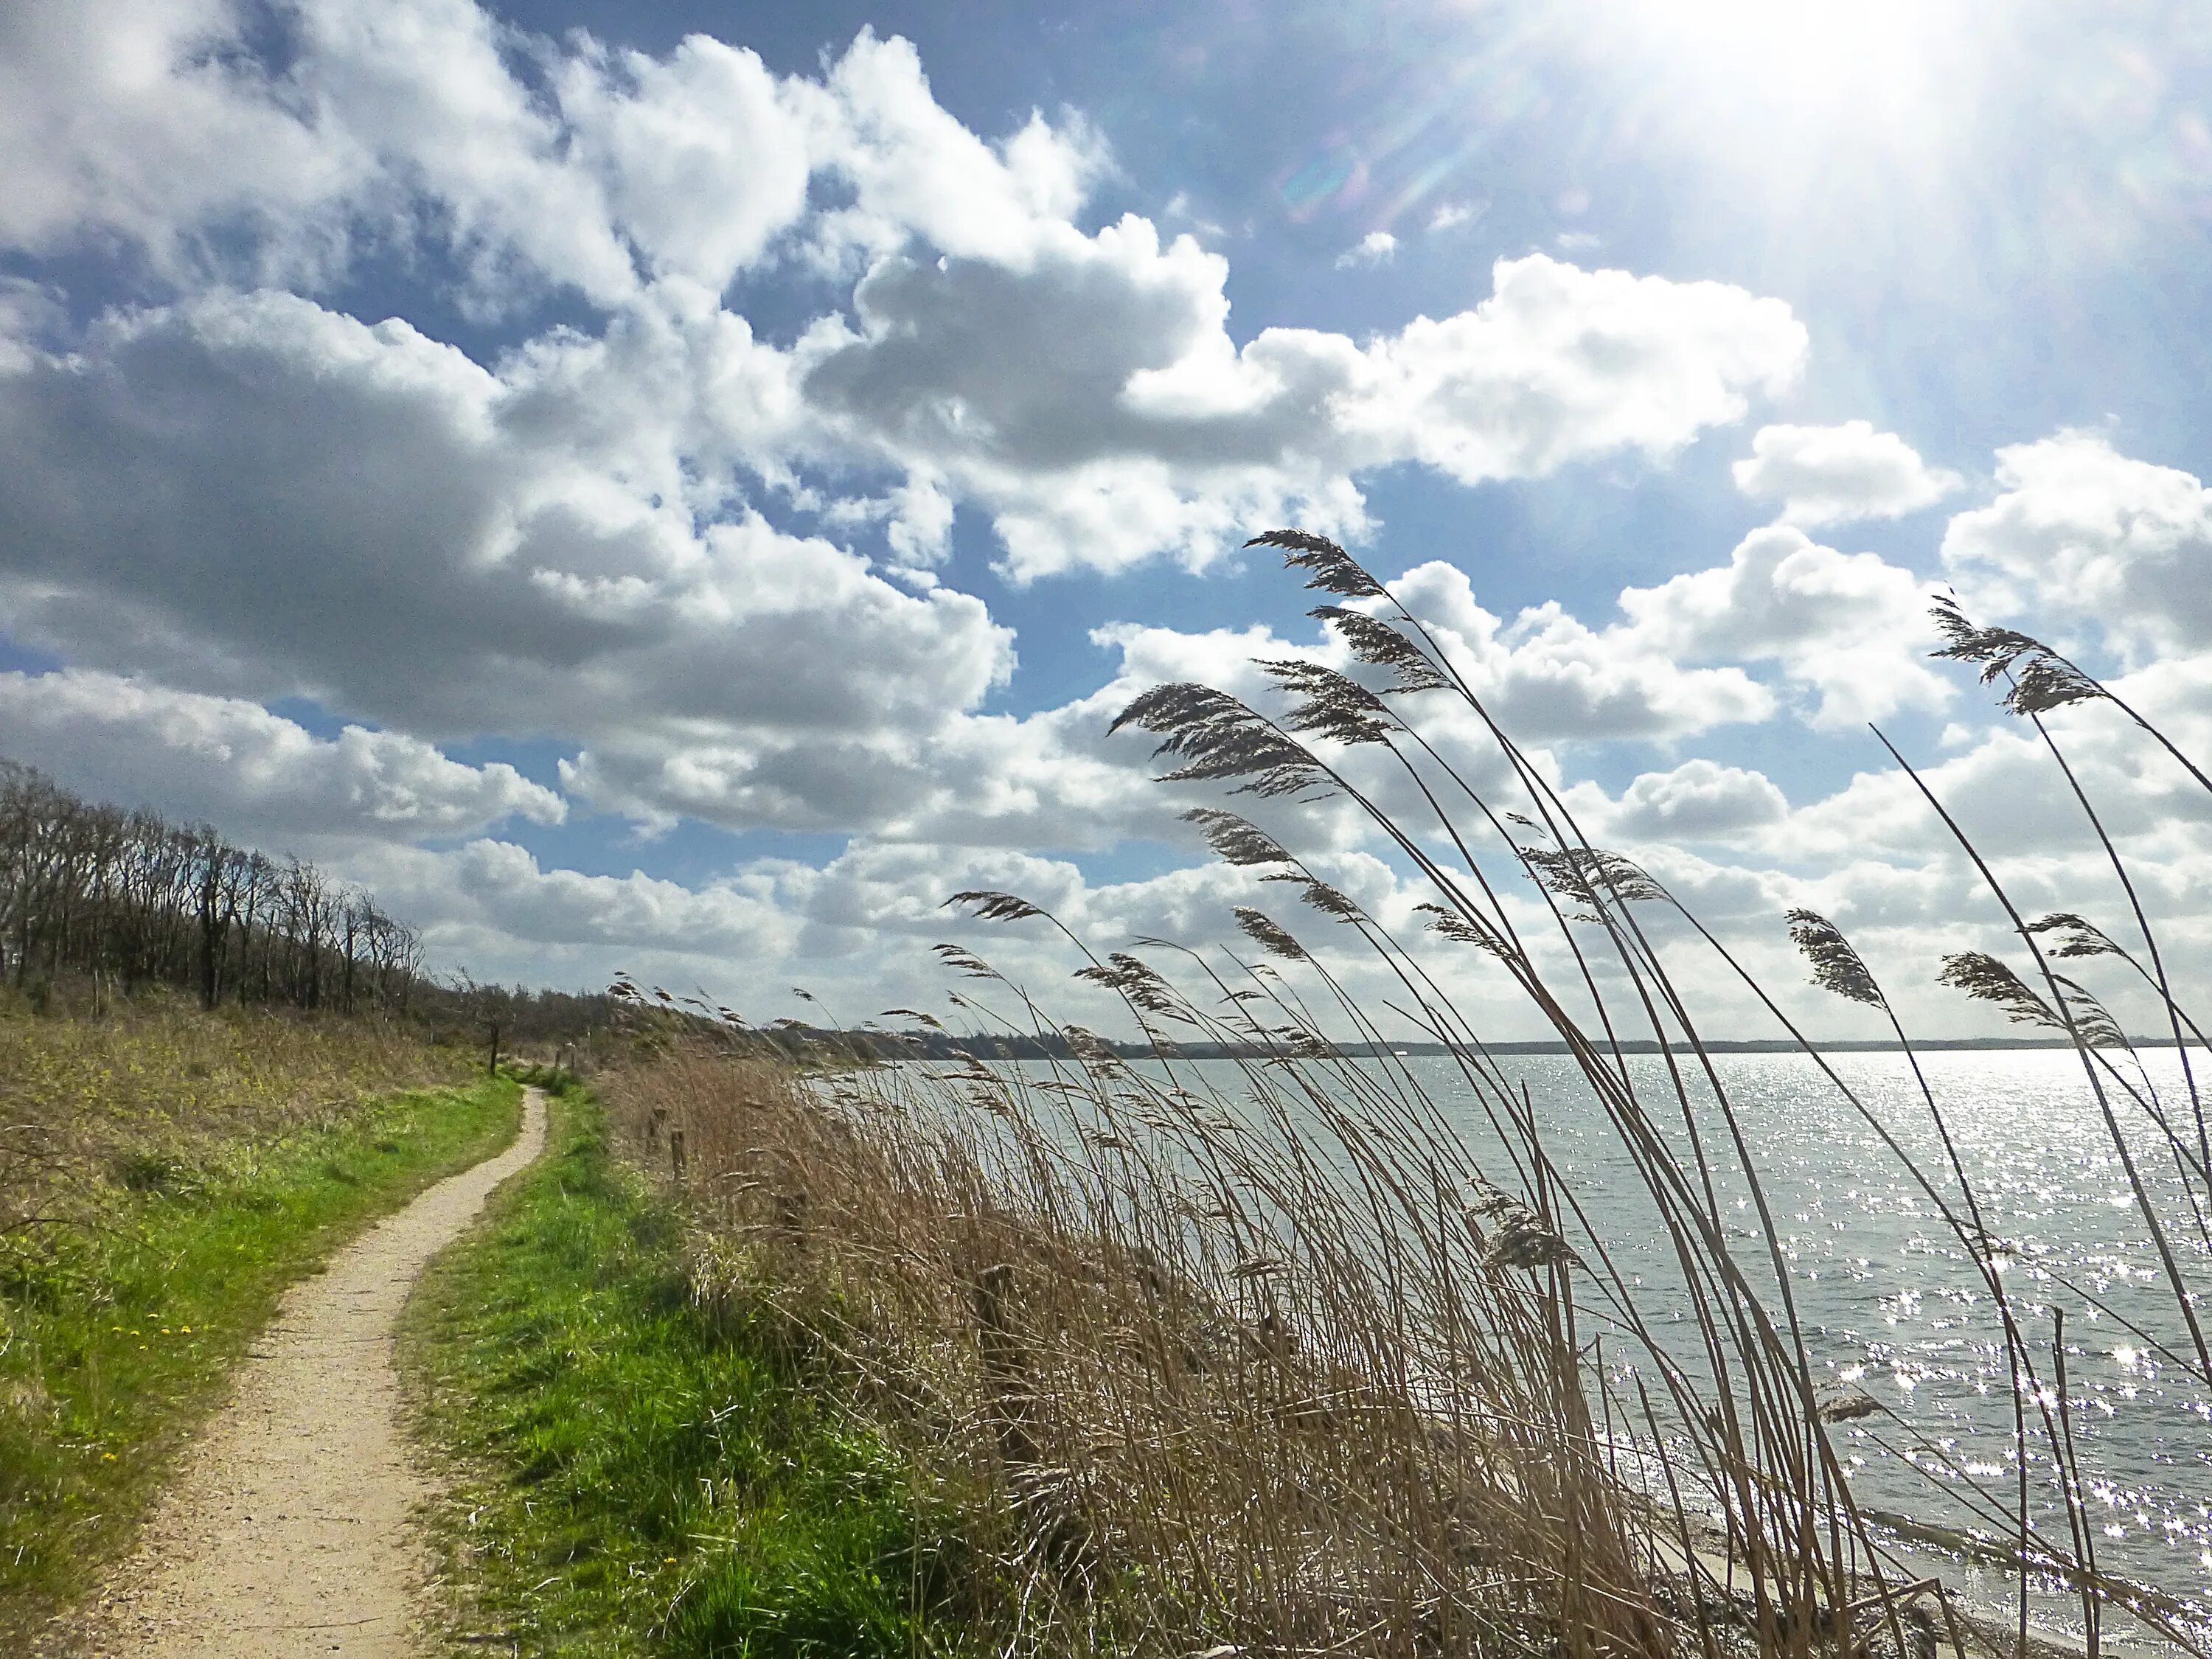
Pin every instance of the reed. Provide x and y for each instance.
(1263, 1358)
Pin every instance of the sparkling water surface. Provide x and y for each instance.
(1890, 1301)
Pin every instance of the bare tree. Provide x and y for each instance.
(125, 899)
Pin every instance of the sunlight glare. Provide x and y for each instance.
(1868, 56)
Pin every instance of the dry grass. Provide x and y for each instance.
(1275, 1373)
(157, 1095)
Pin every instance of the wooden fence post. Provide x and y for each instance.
(1010, 1391)
(1005, 1366)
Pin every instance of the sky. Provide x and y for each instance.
(682, 488)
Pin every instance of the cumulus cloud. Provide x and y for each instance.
(158, 124)
(702, 157)
(1834, 474)
(1545, 676)
(1377, 247)
(248, 494)
(251, 495)
(139, 121)
(2081, 529)
(1850, 628)
(1561, 363)
(1553, 677)
(493, 907)
(239, 494)
(1698, 800)
(1083, 391)
(1093, 401)
(252, 772)
(421, 89)
(914, 170)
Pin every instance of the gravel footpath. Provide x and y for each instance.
(289, 1526)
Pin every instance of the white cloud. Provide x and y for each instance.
(2007, 792)
(1545, 676)
(421, 86)
(1834, 474)
(492, 906)
(1083, 392)
(1450, 215)
(404, 121)
(137, 120)
(2083, 530)
(252, 496)
(1093, 401)
(560, 544)
(1561, 363)
(1698, 800)
(1378, 247)
(703, 156)
(914, 170)
(252, 772)
(1553, 677)
(242, 494)
(1849, 627)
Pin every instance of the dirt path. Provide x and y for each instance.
(288, 1528)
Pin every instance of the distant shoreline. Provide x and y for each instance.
(939, 1045)
(1776, 1046)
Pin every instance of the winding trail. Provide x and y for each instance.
(288, 1527)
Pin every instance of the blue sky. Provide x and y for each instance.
(682, 487)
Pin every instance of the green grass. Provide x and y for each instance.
(117, 1330)
(644, 1479)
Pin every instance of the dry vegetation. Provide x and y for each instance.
(1073, 1307)
(154, 1096)
(164, 1174)
(1271, 1366)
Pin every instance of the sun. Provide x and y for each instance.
(1789, 81)
(1874, 53)
(1844, 32)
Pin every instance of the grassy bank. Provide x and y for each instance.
(167, 1176)
(645, 1475)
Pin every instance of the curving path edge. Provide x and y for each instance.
(289, 1528)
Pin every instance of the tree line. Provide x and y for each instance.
(129, 899)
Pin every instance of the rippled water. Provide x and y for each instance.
(1890, 1301)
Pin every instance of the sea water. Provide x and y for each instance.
(1891, 1303)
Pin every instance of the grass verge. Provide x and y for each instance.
(642, 1477)
(118, 1329)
